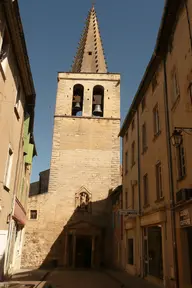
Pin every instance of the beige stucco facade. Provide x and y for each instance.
(16, 88)
(161, 105)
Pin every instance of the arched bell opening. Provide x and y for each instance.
(77, 104)
(98, 101)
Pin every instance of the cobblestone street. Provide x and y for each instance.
(81, 279)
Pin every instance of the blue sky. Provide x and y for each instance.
(52, 31)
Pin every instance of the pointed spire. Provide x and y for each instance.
(90, 55)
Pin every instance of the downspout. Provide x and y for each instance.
(139, 186)
(171, 182)
(188, 21)
(10, 230)
(138, 162)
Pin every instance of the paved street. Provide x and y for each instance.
(81, 279)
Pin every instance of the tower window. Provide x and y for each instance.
(77, 104)
(98, 101)
(33, 214)
(90, 53)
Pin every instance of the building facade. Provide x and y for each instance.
(17, 101)
(40, 186)
(69, 227)
(156, 174)
(117, 227)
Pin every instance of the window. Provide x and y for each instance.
(4, 50)
(7, 178)
(133, 124)
(175, 87)
(133, 197)
(130, 251)
(133, 154)
(154, 83)
(156, 122)
(190, 91)
(159, 188)
(90, 53)
(145, 189)
(181, 161)
(77, 103)
(126, 136)
(126, 162)
(126, 199)
(144, 137)
(33, 214)
(143, 104)
(98, 101)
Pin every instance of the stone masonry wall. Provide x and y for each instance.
(86, 152)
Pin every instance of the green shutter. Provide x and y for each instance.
(26, 125)
(26, 134)
(26, 143)
(29, 156)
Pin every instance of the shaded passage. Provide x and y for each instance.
(81, 279)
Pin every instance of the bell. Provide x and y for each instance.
(97, 111)
(77, 107)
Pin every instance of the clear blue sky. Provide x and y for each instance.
(52, 31)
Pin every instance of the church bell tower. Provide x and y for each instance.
(85, 164)
(86, 147)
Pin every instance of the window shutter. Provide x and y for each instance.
(26, 134)
(26, 143)
(26, 124)
(29, 156)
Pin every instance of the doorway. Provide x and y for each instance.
(189, 238)
(153, 260)
(83, 252)
(3, 243)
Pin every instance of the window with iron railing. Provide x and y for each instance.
(159, 188)
(145, 189)
(144, 137)
(181, 161)
(156, 121)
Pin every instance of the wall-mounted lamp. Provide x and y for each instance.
(177, 136)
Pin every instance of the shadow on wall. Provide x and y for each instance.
(73, 248)
(2, 261)
(86, 239)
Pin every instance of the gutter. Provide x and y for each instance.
(171, 181)
(14, 25)
(188, 21)
(133, 106)
(138, 162)
(10, 227)
(139, 184)
(165, 30)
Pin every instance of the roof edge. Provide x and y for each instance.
(156, 56)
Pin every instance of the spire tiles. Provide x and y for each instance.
(90, 55)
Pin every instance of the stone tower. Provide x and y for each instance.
(72, 217)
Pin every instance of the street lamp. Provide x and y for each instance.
(177, 137)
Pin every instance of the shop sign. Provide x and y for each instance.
(127, 212)
(185, 218)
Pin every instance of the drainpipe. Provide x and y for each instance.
(188, 21)
(10, 228)
(138, 162)
(139, 185)
(171, 182)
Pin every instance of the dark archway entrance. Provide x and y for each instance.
(83, 252)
